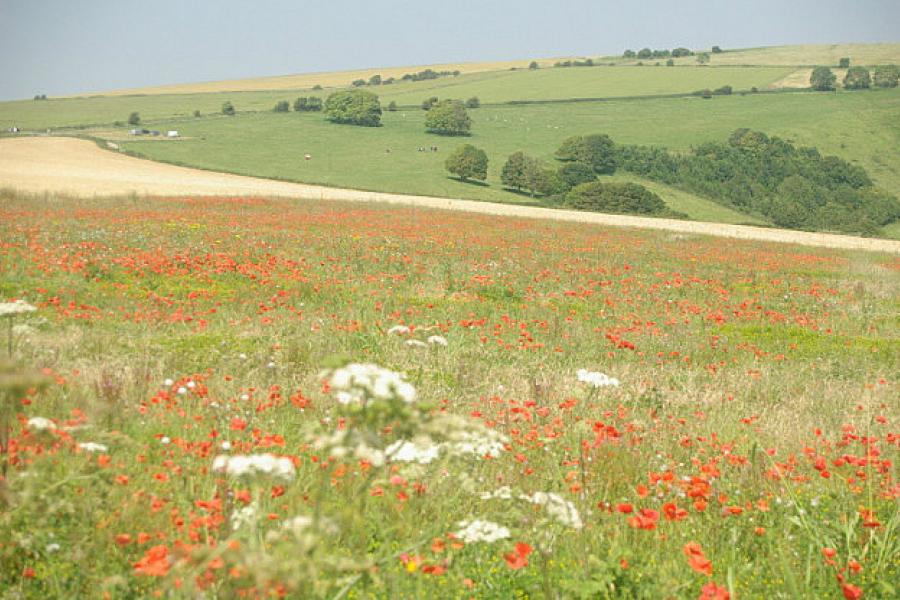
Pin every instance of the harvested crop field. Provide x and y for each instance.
(80, 168)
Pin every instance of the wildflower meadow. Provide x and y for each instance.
(255, 398)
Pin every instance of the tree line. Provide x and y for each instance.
(823, 79)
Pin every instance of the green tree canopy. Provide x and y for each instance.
(448, 117)
(597, 150)
(468, 162)
(354, 107)
(228, 109)
(576, 173)
(134, 119)
(857, 78)
(624, 198)
(822, 79)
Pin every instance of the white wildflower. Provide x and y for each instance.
(359, 382)
(52, 547)
(422, 452)
(243, 516)
(416, 344)
(226, 446)
(481, 531)
(191, 385)
(398, 330)
(164, 440)
(437, 340)
(596, 379)
(560, 509)
(40, 424)
(181, 391)
(254, 464)
(16, 308)
(504, 493)
(93, 447)
(168, 383)
(486, 442)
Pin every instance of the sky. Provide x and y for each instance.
(59, 47)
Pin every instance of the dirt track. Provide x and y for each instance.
(81, 168)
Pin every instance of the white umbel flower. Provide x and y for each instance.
(254, 464)
(596, 379)
(398, 330)
(358, 382)
(437, 340)
(16, 308)
(481, 531)
(93, 447)
(416, 344)
(40, 424)
(405, 451)
(560, 510)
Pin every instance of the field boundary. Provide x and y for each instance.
(80, 168)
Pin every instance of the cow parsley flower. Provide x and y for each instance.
(481, 531)
(437, 340)
(416, 344)
(40, 424)
(254, 464)
(559, 509)
(16, 308)
(93, 447)
(596, 379)
(398, 330)
(358, 383)
(422, 452)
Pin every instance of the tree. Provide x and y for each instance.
(358, 82)
(645, 53)
(134, 119)
(844, 63)
(703, 58)
(512, 175)
(886, 76)
(576, 173)
(681, 51)
(857, 78)
(629, 54)
(473, 102)
(725, 90)
(392, 106)
(533, 65)
(468, 162)
(670, 63)
(597, 151)
(282, 106)
(448, 117)
(427, 104)
(309, 104)
(822, 79)
(375, 80)
(196, 113)
(628, 198)
(228, 109)
(716, 50)
(354, 107)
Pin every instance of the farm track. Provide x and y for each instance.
(80, 168)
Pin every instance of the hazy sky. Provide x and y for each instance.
(70, 46)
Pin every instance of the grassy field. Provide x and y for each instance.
(749, 446)
(861, 127)
(502, 86)
(806, 55)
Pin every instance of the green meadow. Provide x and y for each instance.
(861, 127)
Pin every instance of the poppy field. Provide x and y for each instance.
(254, 398)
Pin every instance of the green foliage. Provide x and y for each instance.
(134, 119)
(358, 82)
(886, 76)
(703, 58)
(429, 102)
(525, 173)
(716, 50)
(354, 107)
(670, 63)
(725, 90)
(629, 54)
(533, 65)
(796, 188)
(473, 102)
(392, 106)
(282, 106)
(857, 78)
(822, 79)
(844, 63)
(644, 53)
(196, 113)
(375, 79)
(598, 151)
(228, 109)
(576, 173)
(308, 104)
(679, 52)
(621, 198)
(428, 74)
(448, 117)
(468, 162)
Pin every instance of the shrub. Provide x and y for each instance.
(533, 65)
(473, 102)
(308, 104)
(857, 78)
(822, 79)
(703, 58)
(468, 162)
(228, 109)
(597, 151)
(429, 102)
(134, 119)
(716, 50)
(375, 80)
(670, 63)
(316, 87)
(522, 172)
(282, 106)
(844, 63)
(196, 113)
(448, 117)
(392, 106)
(645, 53)
(629, 54)
(725, 90)
(679, 52)
(623, 198)
(354, 107)
(886, 76)
(358, 82)
(575, 173)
